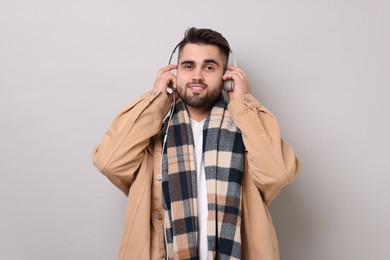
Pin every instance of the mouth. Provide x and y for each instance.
(196, 86)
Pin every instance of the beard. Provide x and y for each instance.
(198, 100)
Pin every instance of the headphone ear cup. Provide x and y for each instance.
(228, 85)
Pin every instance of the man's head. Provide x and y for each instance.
(204, 36)
(203, 58)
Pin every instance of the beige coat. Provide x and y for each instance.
(130, 156)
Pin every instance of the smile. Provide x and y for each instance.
(197, 86)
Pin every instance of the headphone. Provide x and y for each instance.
(228, 85)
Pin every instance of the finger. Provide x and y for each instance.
(240, 79)
(165, 80)
(165, 69)
(234, 75)
(169, 77)
(238, 70)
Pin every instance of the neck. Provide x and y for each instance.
(198, 114)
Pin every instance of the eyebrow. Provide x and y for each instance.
(206, 61)
(187, 62)
(211, 61)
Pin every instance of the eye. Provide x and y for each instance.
(187, 66)
(209, 68)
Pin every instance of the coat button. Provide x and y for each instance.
(158, 216)
(152, 93)
(158, 177)
(247, 101)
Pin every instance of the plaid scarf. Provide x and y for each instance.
(223, 156)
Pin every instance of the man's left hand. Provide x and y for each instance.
(241, 84)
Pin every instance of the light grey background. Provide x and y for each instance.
(67, 67)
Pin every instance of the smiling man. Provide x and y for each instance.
(198, 183)
(199, 64)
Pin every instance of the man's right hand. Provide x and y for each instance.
(166, 78)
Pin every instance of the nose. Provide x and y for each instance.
(197, 75)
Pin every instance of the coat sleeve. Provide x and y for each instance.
(272, 162)
(123, 148)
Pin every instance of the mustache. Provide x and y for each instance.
(197, 83)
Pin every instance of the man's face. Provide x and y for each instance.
(199, 75)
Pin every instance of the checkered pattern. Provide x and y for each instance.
(223, 155)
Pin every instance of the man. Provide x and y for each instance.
(200, 178)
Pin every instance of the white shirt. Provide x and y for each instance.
(197, 131)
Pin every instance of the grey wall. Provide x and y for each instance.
(67, 67)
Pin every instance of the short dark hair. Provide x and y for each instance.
(205, 36)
